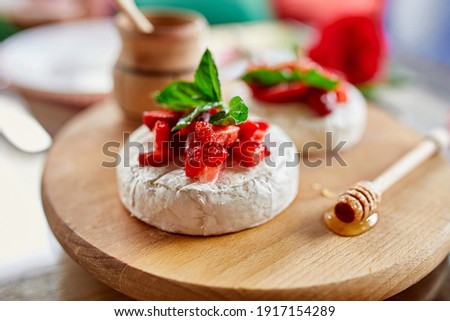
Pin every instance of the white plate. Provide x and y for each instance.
(67, 59)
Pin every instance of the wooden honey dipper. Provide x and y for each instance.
(354, 213)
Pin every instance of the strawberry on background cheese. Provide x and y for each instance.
(346, 123)
(306, 100)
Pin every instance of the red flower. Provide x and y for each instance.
(352, 45)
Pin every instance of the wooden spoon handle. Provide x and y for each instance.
(438, 139)
(129, 8)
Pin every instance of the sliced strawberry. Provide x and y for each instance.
(203, 162)
(194, 167)
(320, 101)
(169, 116)
(262, 125)
(203, 132)
(258, 136)
(162, 136)
(214, 111)
(341, 93)
(226, 135)
(185, 131)
(253, 130)
(282, 93)
(247, 129)
(213, 154)
(178, 144)
(193, 161)
(248, 153)
(154, 159)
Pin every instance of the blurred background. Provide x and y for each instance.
(56, 58)
(70, 63)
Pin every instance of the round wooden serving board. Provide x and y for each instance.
(293, 257)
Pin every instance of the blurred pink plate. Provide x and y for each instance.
(68, 63)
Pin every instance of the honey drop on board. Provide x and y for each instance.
(349, 229)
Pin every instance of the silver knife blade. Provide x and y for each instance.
(20, 128)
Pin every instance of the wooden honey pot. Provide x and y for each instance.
(148, 61)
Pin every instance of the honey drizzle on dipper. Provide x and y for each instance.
(354, 212)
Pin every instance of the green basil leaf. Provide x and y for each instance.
(188, 118)
(236, 114)
(200, 96)
(180, 96)
(313, 78)
(267, 77)
(318, 80)
(207, 77)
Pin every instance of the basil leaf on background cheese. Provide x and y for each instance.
(312, 77)
(318, 80)
(266, 77)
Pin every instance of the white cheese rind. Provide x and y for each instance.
(347, 122)
(239, 199)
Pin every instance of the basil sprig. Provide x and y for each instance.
(236, 113)
(207, 77)
(181, 96)
(189, 117)
(267, 77)
(201, 96)
(312, 77)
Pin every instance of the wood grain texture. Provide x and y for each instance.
(292, 257)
